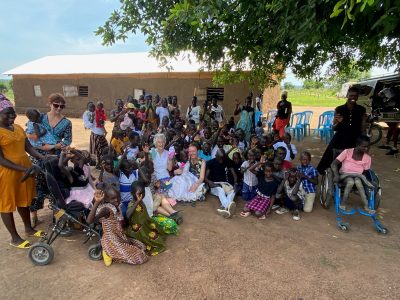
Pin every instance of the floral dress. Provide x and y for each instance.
(114, 241)
(142, 228)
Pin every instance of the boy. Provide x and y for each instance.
(309, 180)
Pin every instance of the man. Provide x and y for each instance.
(349, 123)
(217, 112)
(283, 114)
(162, 111)
(193, 112)
(217, 180)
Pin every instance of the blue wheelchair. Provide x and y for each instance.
(330, 191)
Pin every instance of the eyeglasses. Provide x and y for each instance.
(55, 105)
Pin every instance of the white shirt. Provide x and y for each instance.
(249, 177)
(282, 144)
(162, 112)
(87, 116)
(214, 151)
(194, 114)
(160, 163)
(217, 112)
(132, 153)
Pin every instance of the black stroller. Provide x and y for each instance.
(42, 253)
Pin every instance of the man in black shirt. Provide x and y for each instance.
(217, 179)
(282, 119)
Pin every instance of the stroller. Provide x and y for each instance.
(333, 191)
(42, 253)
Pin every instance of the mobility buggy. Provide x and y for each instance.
(42, 253)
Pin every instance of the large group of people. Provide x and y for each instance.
(156, 158)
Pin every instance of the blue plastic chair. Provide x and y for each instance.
(296, 126)
(325, 123)
(307, 115)
(269, 121)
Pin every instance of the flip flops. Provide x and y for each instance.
(38, 234)
(24, 245)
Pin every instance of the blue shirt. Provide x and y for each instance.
(311, 172)
(47, 138)
(204, 156)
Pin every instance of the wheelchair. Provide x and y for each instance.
(331, 192)
(42, 253)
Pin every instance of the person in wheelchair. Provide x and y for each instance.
(355, 161)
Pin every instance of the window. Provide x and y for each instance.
(70, 90)
(137, 93)
(218, 92)
(83, 91)
(37, 91)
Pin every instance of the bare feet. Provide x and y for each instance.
(245, 214)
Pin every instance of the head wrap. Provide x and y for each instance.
(4, 102)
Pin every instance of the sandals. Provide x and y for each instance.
(24, 245)
(38, 234)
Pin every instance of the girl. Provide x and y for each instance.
(98, 142)
(116, 246)
(141, 226)
(266, 190)
(81, 189)
(289, 191)
(205, 152)
(249, 190)
(128, 173)
(107, 175)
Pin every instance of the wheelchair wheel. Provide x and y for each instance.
(344, 227)
(382, 230)
(41, 254)
(326, 189)
(94, 252)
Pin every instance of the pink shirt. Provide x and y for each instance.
(349, 165)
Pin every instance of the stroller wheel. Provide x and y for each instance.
(344, 227)
(382, 230)
(41, 254)
(94, 252)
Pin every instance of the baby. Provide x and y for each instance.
(45, 140)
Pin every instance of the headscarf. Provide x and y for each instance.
(4, 102)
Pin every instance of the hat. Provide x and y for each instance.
(130, 105)
(4, 102)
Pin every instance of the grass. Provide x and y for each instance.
(314, 97)
(9, 93)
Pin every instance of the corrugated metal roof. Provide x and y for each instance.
(113, 63)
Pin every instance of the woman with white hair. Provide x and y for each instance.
(162, 162)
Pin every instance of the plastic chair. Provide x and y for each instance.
(296, 126)
(307, 115)
(271, 114)
(325, 123)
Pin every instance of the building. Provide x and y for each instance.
(106, 77)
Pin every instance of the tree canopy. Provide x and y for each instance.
(266, 37)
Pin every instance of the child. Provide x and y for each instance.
(100, 115)
(133, 148)
(115, 244)
(88, 115)
(292, 197)
(119, 142)
(46, 140)
(249, 190)
(259, 129)
(141, 114)
(141, 226)
(236, 164)
(98, 141)
(107, 175)
(291, 150)
(280, 153)
(205, 152)
(79, 183)
(309, 180)
(242, 144)
(355, 162)
(266, 189)
(127, 174)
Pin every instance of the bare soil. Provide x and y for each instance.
(215, 258)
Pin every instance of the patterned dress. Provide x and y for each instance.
(143, 228)
(114, 241)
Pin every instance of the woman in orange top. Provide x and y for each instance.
(13, 163)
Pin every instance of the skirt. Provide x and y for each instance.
(98, 145)
(260, 203)
(181, 185)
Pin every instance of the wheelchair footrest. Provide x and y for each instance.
(347, 212)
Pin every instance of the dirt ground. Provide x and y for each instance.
(215, 258)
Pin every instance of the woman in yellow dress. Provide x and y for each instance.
(14, 194)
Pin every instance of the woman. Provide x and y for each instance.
(15, 194)
(61, 129)
(246, 121)
(159, 156)
(189, 185)
(117, 116)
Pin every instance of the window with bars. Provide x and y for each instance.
(83, 91)
(215, 92)
(37, 91)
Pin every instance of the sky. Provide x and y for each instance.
(31, 29)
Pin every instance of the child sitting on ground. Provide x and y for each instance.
(289, 191)
(45, 140)
(355, 162)
(266, 190)
(205, 152)
(107, 175)
(309, 180)
(259, 129)
(119, 142)
(133, 147)
(291, 150)
(280, 152)
(115, 244)
(249, 189)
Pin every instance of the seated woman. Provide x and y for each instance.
(354, 162)
(81, 189)
(188, 185)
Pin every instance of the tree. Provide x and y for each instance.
(267, 37)
(288, 86)
(336, 80)
(313, 84)
(3, 87)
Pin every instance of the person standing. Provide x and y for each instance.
(14, 194)
(217, 112)
(283, 114)
(162, 111)
(194, 111)
(117, 116)
(349, 123)
(246, 121)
